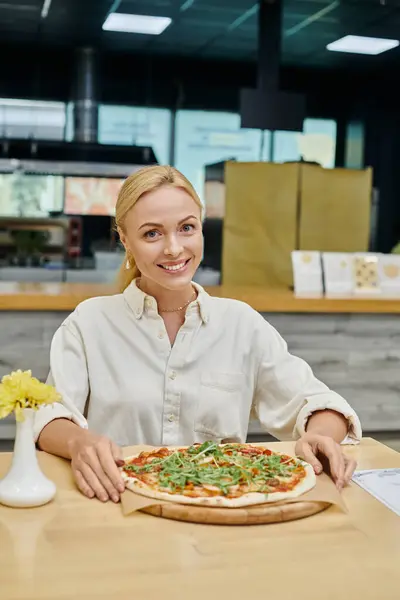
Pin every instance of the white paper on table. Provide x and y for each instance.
(383, 484)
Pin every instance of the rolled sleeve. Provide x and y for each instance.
(288, 393)
(68, 374)
(46, 414)
(330, 401)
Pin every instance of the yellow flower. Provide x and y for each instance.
(6, 402)
(20, 390)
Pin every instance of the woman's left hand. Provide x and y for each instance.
(310, 445)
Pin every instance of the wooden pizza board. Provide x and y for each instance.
(252, 515)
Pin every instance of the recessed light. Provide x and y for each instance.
(357, 44)
(136, 23)
(45, 9)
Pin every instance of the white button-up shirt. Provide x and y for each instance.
(113, 364)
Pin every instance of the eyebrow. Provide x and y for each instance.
(161, 225)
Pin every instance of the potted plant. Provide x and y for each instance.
(25, 485)
(30, 245)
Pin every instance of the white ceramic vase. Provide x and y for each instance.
(25, 485)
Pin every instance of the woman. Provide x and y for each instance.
(163, 363)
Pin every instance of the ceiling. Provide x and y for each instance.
(209, 29)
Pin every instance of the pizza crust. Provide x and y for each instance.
(249, 499)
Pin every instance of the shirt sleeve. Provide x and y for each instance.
(68, 373)
(287, 392)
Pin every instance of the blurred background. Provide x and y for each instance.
(282, 113)
(82, 106)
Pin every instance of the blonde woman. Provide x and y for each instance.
(164, 363)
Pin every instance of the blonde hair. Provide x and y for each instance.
(143, 181)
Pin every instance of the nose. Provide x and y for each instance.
(173, 247)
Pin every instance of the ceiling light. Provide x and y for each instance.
(45, 9)
(136, 23)
(362, 45)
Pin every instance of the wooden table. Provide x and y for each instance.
(80, 548)
(16, 296)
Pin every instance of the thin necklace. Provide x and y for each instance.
(192, 297)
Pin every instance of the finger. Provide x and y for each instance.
(305, 451)
(108, 454)
(117, 453)
(93, 481)
(350, 467)
(336, 460)
(83, 485)
(119, 461)
(100, 470)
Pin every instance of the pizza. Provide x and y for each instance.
(212, 474)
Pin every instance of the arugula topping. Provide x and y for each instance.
(222, 468)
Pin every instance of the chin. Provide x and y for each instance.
(175, 282)
(174, 286)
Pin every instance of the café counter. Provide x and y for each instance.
(66, 296)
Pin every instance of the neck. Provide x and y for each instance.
(166, 299)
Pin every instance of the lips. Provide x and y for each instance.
(174, 267)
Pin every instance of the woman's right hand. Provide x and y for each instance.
(94, 461)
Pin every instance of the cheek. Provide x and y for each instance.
(139, 252)
(199, 243)
(195, 240)
(143, 252)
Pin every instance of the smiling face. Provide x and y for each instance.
(163, 233)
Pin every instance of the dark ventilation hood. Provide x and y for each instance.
(266, 106)
(72, 158)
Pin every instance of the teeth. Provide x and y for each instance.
(174, 267)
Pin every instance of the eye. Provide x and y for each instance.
(187, 228)
(152, 234)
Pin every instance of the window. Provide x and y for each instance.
(354, 154)
(69, 122)
(32, 119)
(317, 143)
(131, 125)
(135, 125)
(205, 137)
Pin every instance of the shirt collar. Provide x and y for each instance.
(138, 301)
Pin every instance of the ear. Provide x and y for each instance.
(123, 239)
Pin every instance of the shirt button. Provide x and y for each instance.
(161, 335)
(171, 418)
(172, 375)
(138, 311)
